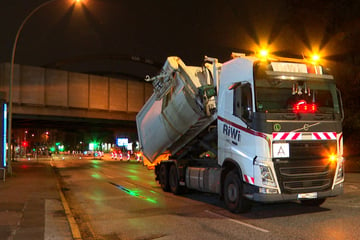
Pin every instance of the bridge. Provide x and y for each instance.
(45, 96)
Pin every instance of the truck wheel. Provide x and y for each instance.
(174, 180)
(313, 202)
(164, 178)
(233, 194)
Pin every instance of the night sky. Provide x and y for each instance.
(103, 35)
(116, 37)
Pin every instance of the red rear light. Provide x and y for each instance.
(303, 107)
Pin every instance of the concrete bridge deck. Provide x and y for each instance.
(47, 92)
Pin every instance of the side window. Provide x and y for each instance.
(237, 101)
(242, 104)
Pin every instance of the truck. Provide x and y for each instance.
(251, 129)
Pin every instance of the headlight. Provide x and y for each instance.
(340, 172)
(268, 190)
(266, 176)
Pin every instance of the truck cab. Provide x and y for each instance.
(279, 126)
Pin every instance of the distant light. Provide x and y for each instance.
(25, 144)
(93, 146)
(122, 142)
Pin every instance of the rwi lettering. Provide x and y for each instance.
(232, 132)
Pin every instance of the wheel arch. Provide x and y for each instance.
(228, 165)
(167, 163)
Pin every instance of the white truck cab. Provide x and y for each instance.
(249, 129)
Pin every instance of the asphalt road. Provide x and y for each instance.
(121, 200)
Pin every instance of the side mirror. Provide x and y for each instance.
(340, 104)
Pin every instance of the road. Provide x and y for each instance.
(121, 200)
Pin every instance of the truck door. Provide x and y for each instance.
(243, 102)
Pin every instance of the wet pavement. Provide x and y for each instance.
(30, 204)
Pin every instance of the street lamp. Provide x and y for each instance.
(11, 80)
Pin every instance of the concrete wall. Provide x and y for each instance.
(51, 88)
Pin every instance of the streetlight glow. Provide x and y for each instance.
(78, 2)
(11, 79)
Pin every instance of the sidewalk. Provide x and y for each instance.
(30, 204)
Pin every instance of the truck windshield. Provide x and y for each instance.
(286, 92)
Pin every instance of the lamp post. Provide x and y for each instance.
(11, 80)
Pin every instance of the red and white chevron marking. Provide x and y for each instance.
(324, 135)
(298, 136)
(286, 136)
(249, 179)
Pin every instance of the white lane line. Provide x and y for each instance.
(239, 222)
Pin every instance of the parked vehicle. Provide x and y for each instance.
(254, 128)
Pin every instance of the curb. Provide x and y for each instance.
(75, 231)
(73, 225)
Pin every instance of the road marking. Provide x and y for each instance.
(73, 225)
(239, 222)
(75, 231)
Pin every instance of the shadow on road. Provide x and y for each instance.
(259, 210)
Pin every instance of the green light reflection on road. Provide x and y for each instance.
(98, 197)
(133, 171)
(133, 193)
(133, 177)
(95, 164)
(96, 175)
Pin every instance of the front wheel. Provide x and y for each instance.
(233, 194)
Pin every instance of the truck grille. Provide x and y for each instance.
(304, 176)
(310, 149)
(307, 169)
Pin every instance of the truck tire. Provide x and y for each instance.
(233, 194)
(164, 178)
(313, 202)
(174, 180)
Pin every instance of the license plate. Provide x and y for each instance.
(281, 150)
(307, 195)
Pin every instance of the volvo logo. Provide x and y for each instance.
(306, 127)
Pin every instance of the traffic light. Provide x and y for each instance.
(25, 143)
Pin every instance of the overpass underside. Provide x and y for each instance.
(57, 95)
